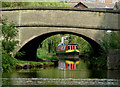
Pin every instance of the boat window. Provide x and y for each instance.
(76, 47)
(68, 47)
(72, 47)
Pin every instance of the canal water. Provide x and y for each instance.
(53, 76)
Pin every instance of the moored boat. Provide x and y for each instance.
(67, 52)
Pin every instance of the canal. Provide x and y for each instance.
(54, 76)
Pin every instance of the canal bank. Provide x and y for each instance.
(33, 65)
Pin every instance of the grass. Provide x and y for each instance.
(36, 4)
(43, 54)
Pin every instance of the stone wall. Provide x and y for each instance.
(113, 59)
(63, 17)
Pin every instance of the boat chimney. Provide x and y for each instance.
(63, 39)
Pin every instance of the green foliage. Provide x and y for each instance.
(50, 44)
(9, 32)
(43, 54)
(9, 46)
(6, 4)
(109, 41)
(20, 54)
(99, 62)
(8, 62)
(12, 4)
(114, 40)
(23, 4)
(46, 4)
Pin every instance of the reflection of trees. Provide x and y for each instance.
(25, 74)
(98, 74)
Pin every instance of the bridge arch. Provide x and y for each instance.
(30, 45)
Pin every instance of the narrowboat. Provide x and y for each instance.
(67, 51)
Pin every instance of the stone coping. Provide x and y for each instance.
(60, 8)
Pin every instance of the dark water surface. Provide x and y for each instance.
(55, 76)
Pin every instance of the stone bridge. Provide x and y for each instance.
(37, 23)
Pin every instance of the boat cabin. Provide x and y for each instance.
(67, 47)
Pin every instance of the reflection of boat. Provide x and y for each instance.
(67, 64)
(67, 52)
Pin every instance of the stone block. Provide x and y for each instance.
(113, 59)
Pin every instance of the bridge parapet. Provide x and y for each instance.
(63, 17)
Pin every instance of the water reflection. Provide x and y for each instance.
(51, 72)
(55, 76)
(68, 64)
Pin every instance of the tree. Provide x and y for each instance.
(9, 32)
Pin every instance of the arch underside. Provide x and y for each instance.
(30, 48)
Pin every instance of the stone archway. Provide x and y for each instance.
(30, 48)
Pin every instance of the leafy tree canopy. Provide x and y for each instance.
(9, 32)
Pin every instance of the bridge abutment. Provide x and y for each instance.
(113, 59)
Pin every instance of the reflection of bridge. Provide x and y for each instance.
(38, 23)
